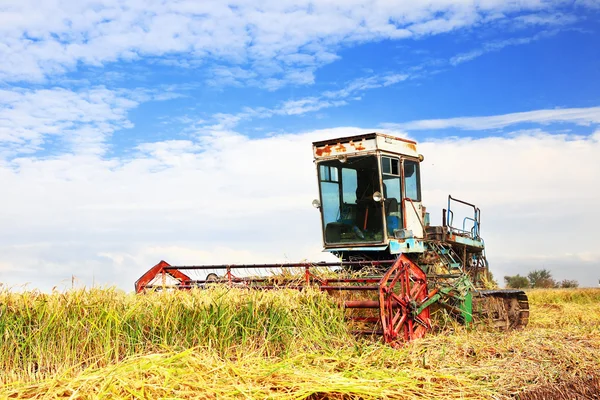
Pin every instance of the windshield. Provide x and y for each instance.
(350, 215)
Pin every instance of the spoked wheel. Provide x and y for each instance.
(402, 290)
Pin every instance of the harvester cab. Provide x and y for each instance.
(370, 196)
(394, 268)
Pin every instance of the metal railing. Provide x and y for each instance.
(448, 219)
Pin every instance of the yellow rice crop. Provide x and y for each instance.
(234, 343)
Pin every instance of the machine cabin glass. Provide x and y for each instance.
(412, 180)
(392, 193)
(349, 212)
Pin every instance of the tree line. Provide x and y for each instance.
(539, 278)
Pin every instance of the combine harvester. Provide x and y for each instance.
(394, 266)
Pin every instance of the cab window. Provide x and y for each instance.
(412, 186)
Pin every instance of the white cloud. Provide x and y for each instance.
(228, 198)
(232, 76)
(535, 191)
(283, 40)
(551, 19)
(59, 120)
(366, 83)
(499, 45)
(327, 99)
(77, 120)
(309, 104)
(580, 116)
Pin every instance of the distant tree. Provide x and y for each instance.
(546, 284)
(568, 283)
(516, 282)
(541, 278)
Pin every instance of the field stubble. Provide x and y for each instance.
(234, 343)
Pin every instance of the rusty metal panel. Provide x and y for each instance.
(397, 145)
(364, 144)
(464, 241)
(342, 147)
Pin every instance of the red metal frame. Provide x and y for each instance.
(159, 269)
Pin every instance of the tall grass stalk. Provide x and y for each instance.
(45, 333)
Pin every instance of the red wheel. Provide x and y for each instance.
(402, 290)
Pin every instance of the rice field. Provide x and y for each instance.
(232, 343)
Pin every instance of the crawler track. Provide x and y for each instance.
(504, 309)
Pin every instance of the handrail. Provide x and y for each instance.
(475, 231)
(465, 223)
(460, 201)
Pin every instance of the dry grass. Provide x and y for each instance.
(249, 344)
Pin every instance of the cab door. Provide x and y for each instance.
(411, 201)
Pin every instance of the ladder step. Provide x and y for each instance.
(448, 256)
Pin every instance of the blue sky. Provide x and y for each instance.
(497, 69)
(120, 121)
